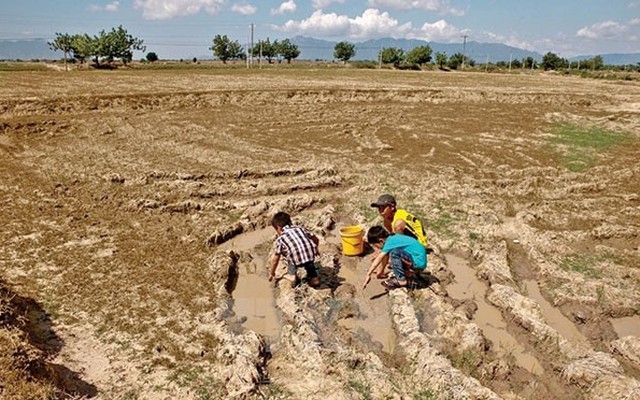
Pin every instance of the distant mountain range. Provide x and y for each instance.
(317, 49)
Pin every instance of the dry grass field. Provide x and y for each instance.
(135, 208)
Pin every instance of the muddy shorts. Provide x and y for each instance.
(309, 266)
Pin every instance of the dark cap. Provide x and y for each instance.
(384, 200)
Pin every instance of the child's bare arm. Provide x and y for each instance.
(274, 265)
(398, 226)
(374, 265)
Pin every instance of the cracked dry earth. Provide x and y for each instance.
(136, 208)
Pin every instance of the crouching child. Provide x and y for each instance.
(298, 245)
(403, 252)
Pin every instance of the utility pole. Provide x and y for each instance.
(380, 58)
(251, 44)
(510, 59)
(464, 49)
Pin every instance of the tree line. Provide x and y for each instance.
(226, 49)
(103, 47)
(118, 44)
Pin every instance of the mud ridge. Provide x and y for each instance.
(115, 103)
(580, 364)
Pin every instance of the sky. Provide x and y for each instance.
(176, 29)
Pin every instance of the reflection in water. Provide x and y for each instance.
(487, 317)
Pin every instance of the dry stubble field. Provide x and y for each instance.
(134, 208)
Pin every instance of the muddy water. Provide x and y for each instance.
(253, 300)
(253, 294)
(553, 316)
(489, 318)
(249, 240)
(372, 303)
(626, 326)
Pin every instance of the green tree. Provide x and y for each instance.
(226, 49)
(100, 47)
(236, 51)
(597, 63)
(82, 47)
(288, 50)
(456, 60)
(529, 62)
(117, 43)
(152, 57)
(344, 51)
(441, 59)
(122, 44)
(266, 49)
(392, 55)
(64, 43)
(551, 61)
(419, 55)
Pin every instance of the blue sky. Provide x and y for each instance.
(185, 28)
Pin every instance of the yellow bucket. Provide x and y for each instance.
(352, 240)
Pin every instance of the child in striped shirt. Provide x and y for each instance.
(298, 245)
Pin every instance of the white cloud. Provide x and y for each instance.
(372, 23)
(635, 21)
(286, 7)
(319, 4)
(166, 9)
(510, 40)
(244, 9)
(111, 7)
(439, 6)
(320, 23)
(600, 30)
(440, 30)
(633, 4)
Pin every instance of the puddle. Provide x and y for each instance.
(376, 322)
(249, 240)
(488, 317)
(253, 299)
(626, 326)
(553, 316)
(372, 301)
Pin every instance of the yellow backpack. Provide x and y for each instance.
(413, 226)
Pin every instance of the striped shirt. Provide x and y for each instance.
(295, 243)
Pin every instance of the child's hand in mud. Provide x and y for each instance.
(366, 281)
